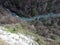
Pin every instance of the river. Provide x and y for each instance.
(46, 16)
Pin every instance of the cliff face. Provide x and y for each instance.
(28, 8)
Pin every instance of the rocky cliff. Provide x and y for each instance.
(29, 8)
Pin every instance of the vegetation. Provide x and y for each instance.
(24, 8)
(19, 29)
(46, 32)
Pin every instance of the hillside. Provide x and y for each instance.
(29, 8)
(16, 28)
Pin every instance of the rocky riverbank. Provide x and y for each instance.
(15, 39)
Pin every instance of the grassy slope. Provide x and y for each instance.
(17, 28)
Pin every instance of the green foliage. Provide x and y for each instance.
(18, 1)
(19, 29)
(32, 11)
(40, 40)
(55, 37)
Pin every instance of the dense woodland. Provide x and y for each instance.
(29, 8)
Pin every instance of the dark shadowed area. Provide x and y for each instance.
(29, 8)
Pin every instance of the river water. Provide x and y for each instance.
(46, 16)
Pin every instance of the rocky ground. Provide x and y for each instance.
(15, 39)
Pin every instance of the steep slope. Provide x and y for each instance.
(16, 39)
(29, 8)
(16, 34)
(42, 31)
(6, 17)
(49, 28)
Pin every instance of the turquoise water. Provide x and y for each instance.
(36, 17)
(39, 16)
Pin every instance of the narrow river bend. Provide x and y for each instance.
(36, 17)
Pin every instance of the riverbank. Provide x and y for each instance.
(15, 39)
